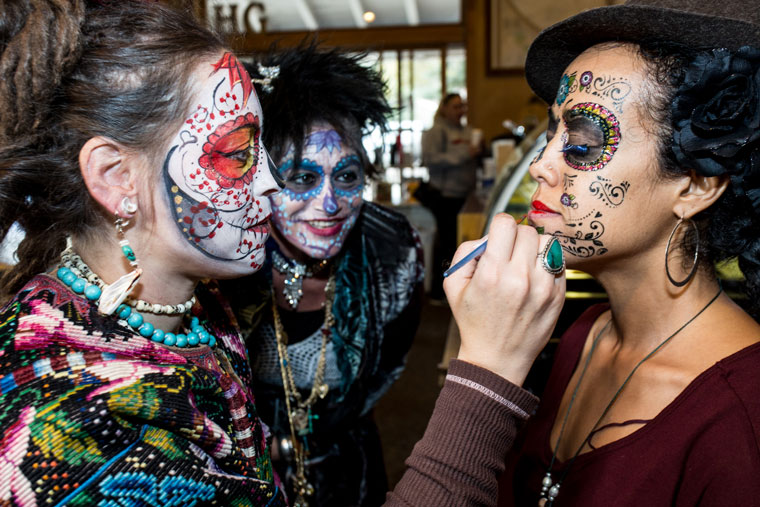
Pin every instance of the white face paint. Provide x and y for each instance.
(217, 171)
(323, 194)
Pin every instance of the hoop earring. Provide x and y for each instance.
(686, 280)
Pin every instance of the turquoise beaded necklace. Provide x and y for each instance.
(197, 335)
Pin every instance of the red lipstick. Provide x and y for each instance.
(326, 231)
(540, 207)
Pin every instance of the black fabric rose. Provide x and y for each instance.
(716, 118)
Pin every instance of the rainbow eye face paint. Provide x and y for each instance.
(322, 196)
(214, 165)
(596, 173)
(593, 136)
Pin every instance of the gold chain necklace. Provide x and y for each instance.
(300, 417)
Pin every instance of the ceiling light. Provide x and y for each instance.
(369, 16)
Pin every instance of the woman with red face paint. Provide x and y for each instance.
(131, 158)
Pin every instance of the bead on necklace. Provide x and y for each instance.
(197, 335)
(76, 264)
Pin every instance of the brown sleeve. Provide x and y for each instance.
(462, 453)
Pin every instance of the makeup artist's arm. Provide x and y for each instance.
(506, 310)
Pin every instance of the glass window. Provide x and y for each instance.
(415, 84)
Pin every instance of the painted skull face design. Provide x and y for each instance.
(322, 196)
(213, 165)
(598, 154)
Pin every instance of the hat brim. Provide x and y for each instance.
(557, 46)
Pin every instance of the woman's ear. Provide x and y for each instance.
(107, 172)
(698, 193)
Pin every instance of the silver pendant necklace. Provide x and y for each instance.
(294, 272)
(550, 489)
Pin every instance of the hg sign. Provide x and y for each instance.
(236, 16)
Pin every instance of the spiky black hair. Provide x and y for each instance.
(318, 85)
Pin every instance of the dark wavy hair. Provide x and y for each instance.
(682, 82)
(71, 70)
(320, 85)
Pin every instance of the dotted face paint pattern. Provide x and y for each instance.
(565, 87)
(610, 128)
(345, 162)
(317, 212)
(210, 169)
(311, 193)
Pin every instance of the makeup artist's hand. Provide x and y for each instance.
(506, 304)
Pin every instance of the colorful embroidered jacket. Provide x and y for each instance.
(93, 414)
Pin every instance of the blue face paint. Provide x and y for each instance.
(304, 182)
(348, 177)
(329, 204)
(323, 195)
(324, 140)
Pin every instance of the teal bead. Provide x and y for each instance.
(194, 322)
(157, 336)
(554, 258)
(198, 330)
(203, 337)
(78, 286)
(181, 340)
(170, 339)
(192, 339)
(92, 292)
(69, 278)
(62, 272)
(211, 340)
(124, 311)
(146, 329)
(128, 253)
(135, 320)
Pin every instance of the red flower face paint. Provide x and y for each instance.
(216, 170)
(232, 151)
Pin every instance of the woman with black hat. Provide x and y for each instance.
(651, 175)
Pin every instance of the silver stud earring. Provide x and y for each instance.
(127, 206)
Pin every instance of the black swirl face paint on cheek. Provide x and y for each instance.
(586, 240)
(610, 194)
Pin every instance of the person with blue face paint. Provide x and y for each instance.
(331, 315)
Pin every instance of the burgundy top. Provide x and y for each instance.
(701, 449)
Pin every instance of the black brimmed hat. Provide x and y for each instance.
(728, 24)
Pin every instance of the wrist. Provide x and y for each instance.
(513, 367)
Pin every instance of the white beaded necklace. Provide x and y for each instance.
(75, 263)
